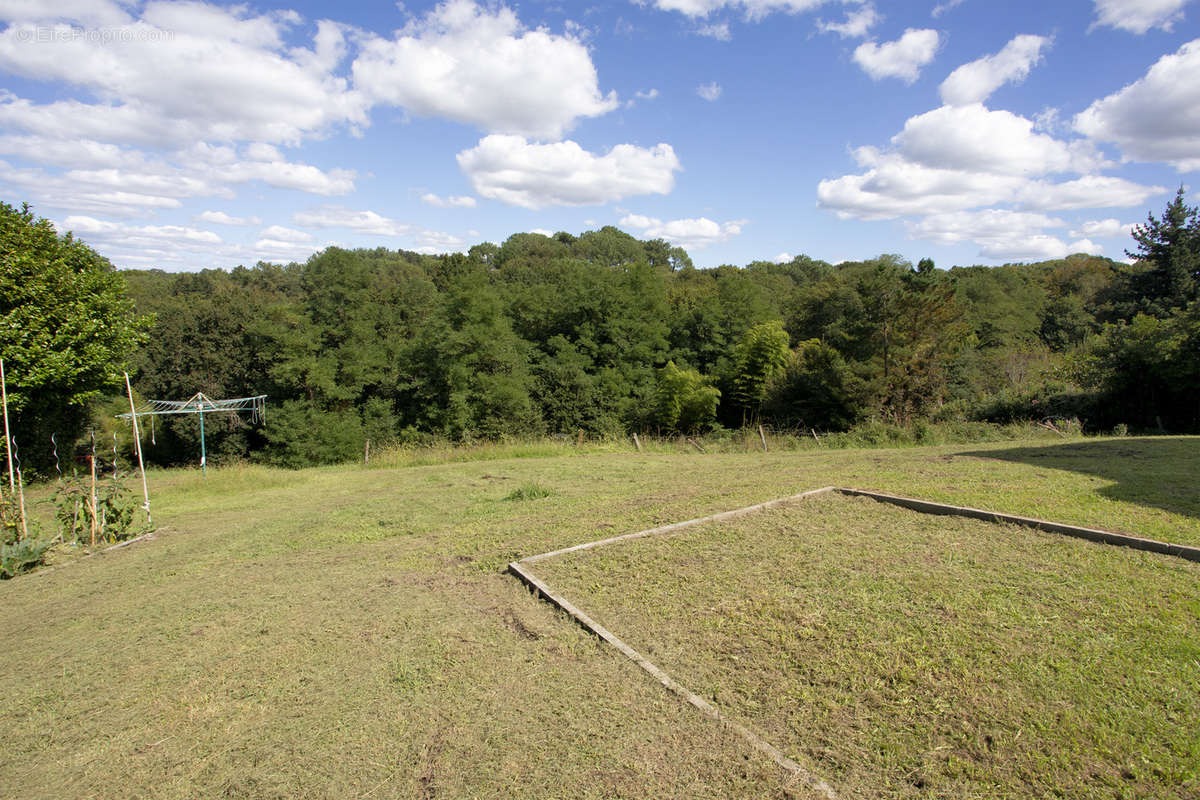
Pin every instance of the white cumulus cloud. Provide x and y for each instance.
(894, 187)
(124, 237)
(182, 72)
(956, 158)
(1139, 16)
(980, 139)
(752, 9)
(479, 66)
(969, 173)
(709, 91)
(1090, 191)
(518, 172)
(1037, 247)
(1157, 117)
(902, 58)
(369, 222)
(973, 82)
(1103, 229)
(341, 217)
(856, 25)
(690, 234)
(66, 151)
(1001, 234)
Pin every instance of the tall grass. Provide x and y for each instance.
(867, 435)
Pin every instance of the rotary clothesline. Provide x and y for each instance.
(202, 404)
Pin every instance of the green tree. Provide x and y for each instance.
(467, 374)
(67, 329)
(685, 401)
(1167, 269)
(759, 356)
(816, 390)
(897, 328)
(1147, 370)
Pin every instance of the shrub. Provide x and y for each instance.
(18, 553)
(21, 556)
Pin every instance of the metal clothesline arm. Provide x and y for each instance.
(201, 404)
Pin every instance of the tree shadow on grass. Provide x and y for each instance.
(1161, 472)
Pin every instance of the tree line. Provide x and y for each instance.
(607, 334)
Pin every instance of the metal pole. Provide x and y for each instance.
(12, 481)
(203, 455)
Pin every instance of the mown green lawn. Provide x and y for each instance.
(350, 632)
(901, 654)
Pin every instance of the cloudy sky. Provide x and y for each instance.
(184, 135)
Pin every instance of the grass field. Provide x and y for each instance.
(349, 632)
(899, 654)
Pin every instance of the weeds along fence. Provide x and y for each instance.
(744, 440)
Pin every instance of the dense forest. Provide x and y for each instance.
(606, 334)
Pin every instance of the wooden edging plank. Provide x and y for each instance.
(724, 515)
(1091, 534)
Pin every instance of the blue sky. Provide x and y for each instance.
(186, 135)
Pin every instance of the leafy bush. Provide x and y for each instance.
(18, 553)
(301, 435)
(22, 556)
(1051, 399)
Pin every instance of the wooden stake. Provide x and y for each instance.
(695, 444)
(579, 438)
(367, 452)
(637, 442)
(93, 500)
(762, 437)
(137, 440)
(12, 481)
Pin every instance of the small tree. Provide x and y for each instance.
(685, 401)
(760, 355)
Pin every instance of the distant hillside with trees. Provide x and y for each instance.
(609, 334)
